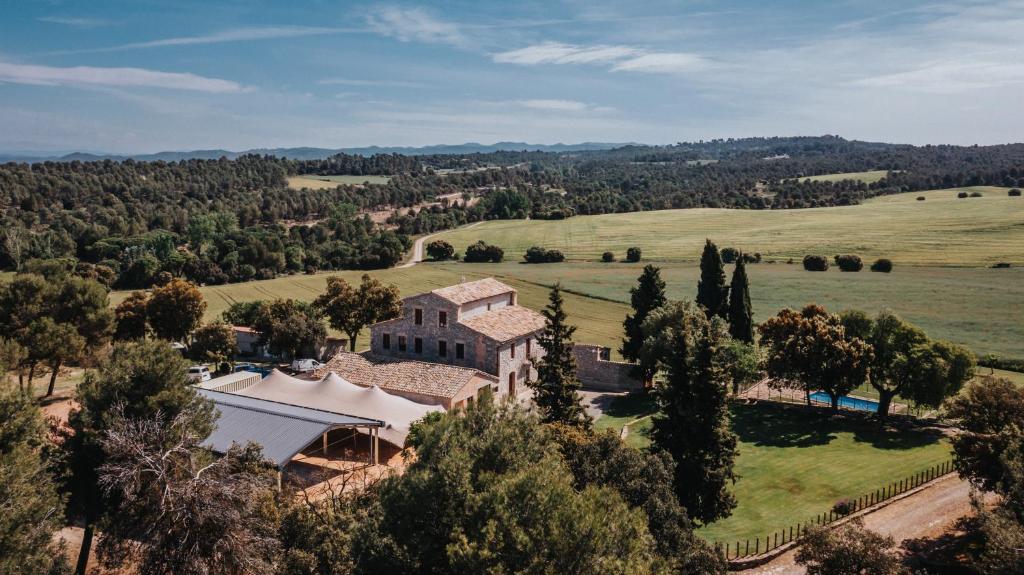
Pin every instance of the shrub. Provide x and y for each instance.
(849, 263)
(962, 195)
(607, 257)
(882, 265)
(1014, 192)
(754, 258)
(633, 255)
(1001, 265)
(440, 250)
(482, 252)
(920, 198)
(843, 507)
(976, 194)
(729, 255)
(539, 255)
(815, 263)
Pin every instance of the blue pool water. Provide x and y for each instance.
(847, 402)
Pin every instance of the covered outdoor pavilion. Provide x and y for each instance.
(283, 430)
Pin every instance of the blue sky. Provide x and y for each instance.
(151, 75)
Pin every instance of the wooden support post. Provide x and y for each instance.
(325, 445)
(376, 446)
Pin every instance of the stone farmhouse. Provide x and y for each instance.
(450, 343)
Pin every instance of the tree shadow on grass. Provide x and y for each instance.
(780, 425)
(632, 406)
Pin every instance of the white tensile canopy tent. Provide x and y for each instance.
(335, 394)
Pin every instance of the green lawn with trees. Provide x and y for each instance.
(964, 305)
(794, 463)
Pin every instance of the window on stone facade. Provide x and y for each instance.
(512, 350)
(528, 340)
(385, 341)
(488, 307)
(419, 316)
(442, 319)
(417, 345)
(442, 348)
(401, 343)
(460, 350)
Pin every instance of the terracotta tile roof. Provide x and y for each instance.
(398, 375)
(506, 323)
(472, 291)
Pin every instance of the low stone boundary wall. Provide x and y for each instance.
(597, 372)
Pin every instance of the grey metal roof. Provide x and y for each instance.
(282, 430)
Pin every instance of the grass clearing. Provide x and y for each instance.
(316, 182)
(866, 177)
(794, 463)
(941, 231)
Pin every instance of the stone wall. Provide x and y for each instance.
(598, 373)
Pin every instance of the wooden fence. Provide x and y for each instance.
(758, 546)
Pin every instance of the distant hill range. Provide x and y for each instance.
(310, 153)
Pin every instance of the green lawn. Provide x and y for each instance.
(866, 177)
(794, 463)
(941, 231)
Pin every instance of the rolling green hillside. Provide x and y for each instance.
(940, 231)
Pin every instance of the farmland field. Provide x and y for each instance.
(317, 182)
(866, 177)
(794, 464)
(941, 231)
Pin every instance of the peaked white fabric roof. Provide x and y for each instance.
(335, 394)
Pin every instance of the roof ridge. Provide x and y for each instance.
(269, 412)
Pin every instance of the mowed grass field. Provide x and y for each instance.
(795, 463)
(940, 231)
(866, 177)
(315, 182)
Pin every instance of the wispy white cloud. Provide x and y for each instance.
(621, 58)
(662, 63)
(76, 22)
(555, 105)
(558, 53)
(950, 77)
(223, 36)
(368, 83)
(88, 76)
(414, 24)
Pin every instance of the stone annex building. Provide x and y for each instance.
(451, 342)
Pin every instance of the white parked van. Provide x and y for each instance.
(199, 373)
(304, 365)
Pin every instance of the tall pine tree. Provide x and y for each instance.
(693, 420)
(741, 313)
(712, 293)
(647, 296)
(557, 383)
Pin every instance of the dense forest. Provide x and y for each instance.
(133, 224)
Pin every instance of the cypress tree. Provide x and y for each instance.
(693, 420)
(557, 383)
(741, 313)
(712, 293)
(647, 296)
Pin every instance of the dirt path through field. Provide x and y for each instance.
(417, 248)
(928, 513)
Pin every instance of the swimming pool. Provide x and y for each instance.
(847, 402)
